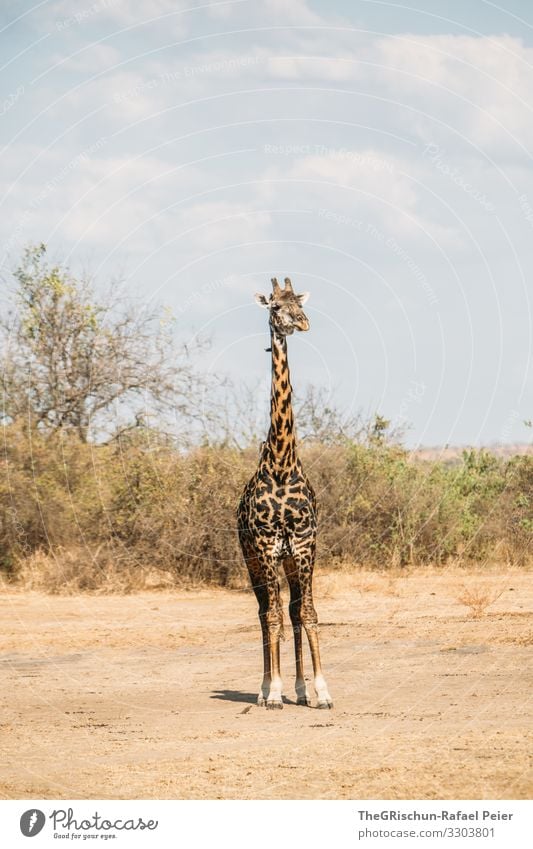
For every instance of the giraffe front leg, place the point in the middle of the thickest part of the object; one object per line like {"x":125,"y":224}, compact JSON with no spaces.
{"x":310,"y":622}
{"x":295,"y":604}
{"x":321,"y":689}
{"x":262,"y":599}
{"x":304,"y":559}
{"x":274,"y":621}
{"x":274,"y":698}
{"x":262,"y":566}
{"x":265,"y":685}
{"x":257,"y":577}
{"x":302,"y":694}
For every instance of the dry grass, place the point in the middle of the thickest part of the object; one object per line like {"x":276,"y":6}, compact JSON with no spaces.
{"x":74,"y":570}
{"x":152,"y":695}
{"x":106,"y":518}
{"x":478,"y":598}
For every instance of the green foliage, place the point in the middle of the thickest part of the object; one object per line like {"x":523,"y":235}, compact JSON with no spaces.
{"x":137,"y":504}
{"x":50,"y":298}
{"x":73,"y":362}
{"x":378,"y":430}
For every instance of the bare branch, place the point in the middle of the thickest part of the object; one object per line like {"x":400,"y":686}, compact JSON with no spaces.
{"x":71,"y":361}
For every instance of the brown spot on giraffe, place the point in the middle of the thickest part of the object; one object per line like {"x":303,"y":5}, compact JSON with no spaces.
{"x":277,"y":518}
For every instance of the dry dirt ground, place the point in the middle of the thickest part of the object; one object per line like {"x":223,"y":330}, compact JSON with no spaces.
{"x":152,"y":695}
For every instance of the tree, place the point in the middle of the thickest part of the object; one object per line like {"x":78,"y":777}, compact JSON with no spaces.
{"x":75,"y":363}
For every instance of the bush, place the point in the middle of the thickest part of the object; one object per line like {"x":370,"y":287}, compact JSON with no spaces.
{"x":76,"y":516}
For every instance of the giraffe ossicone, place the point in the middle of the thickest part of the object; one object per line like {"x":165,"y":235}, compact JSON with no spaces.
{"x":277,"y":518}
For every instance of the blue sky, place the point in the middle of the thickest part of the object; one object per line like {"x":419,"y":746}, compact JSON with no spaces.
{"x":380,"y":154}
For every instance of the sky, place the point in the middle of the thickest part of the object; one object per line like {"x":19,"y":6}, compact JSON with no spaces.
{"x":378,"y":153}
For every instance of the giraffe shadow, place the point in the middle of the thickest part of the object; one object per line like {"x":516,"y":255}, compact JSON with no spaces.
{"x":240,"y":696}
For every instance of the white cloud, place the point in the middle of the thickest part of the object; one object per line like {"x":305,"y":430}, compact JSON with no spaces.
{"x":480,"y":85}
{"x":296,"y":12}
{"x":207,"y":226}
{"x":98,"y":58}
{"x":365,"y":185}
{"x":359,"y":202}
{"x":316,"y":68}
{"x":124,"y":13}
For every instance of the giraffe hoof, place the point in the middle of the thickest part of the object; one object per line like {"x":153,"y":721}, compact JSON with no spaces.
{"x":274,"y":705}
{"x":261,"y":701}
{"x":303,"y":700}
{"x":325,"y":705}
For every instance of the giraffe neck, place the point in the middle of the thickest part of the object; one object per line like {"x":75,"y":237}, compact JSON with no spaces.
{"x":281,"y":439}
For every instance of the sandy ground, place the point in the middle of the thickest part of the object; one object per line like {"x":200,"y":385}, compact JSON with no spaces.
{"x":152,"y":695}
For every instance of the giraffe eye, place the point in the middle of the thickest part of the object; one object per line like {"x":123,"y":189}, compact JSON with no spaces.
{"x":275,"y":307}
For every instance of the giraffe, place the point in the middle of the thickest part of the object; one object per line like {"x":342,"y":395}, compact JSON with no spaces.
{"x":277,"y":518}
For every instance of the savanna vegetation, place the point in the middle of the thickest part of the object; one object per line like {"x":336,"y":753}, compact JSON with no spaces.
{"x":99,"y":493}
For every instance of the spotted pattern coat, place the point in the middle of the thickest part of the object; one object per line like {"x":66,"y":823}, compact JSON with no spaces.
{"x":277,"y":519}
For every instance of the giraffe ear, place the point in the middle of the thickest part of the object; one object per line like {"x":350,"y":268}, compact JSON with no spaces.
{"x":261,"y":300}
{"x":303,"y":298}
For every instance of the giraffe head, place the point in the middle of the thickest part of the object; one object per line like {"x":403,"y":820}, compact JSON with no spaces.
{"x":285,"y":308}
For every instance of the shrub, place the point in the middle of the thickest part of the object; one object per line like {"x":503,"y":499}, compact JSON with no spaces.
{"x":113,"y":516}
